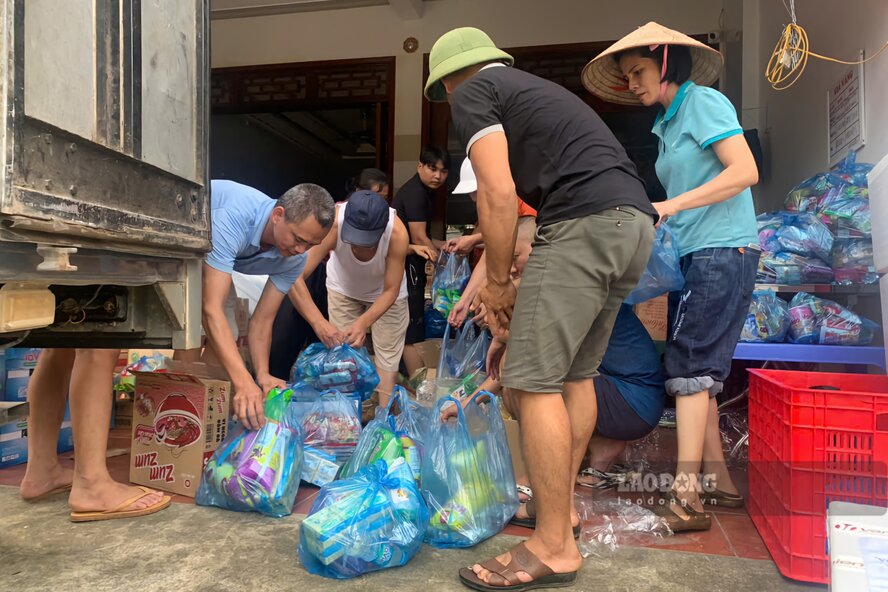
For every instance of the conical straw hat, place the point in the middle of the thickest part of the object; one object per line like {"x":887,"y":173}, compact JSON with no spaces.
{"x":603,"y":78}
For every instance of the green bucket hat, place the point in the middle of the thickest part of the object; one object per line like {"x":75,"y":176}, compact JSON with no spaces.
{"x":458,"y":49}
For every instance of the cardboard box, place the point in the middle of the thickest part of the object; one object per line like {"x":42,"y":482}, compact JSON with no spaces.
{"x":14,"y":442}
{"x":847,"y":524}
{"x":430,"y":351}
{"x":14,"y":439}
{"x":513,"y":434}
{"x":653,"y":315}
{"x":123,"y":412}
{"x":179,"y":419}
{"x":20,"y":365}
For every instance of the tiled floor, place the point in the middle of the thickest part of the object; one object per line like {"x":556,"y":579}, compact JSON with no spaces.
{"x":732,"y":533}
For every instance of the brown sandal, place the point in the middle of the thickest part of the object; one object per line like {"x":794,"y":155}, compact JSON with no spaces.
{"x":695,"y":520}
{"x":522,"y":560}
{"x":531,"y":521}
{"x":719,"y":498}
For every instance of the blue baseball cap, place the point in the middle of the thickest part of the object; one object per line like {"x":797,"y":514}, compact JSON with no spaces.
{"x":365,"y":219}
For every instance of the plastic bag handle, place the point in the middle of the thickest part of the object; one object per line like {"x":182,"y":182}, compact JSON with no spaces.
{"x":459,"y":408}
{"x":444,"y":341}
{"x":490,"y":395}
{"x":399,"y":393}
{"x":331,"y":393}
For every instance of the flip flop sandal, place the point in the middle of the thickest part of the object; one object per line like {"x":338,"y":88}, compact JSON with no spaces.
{"x":525,"y":490}
{"x":506,"y":576}
{"x":119,"y":511}
{"x":695,"y":520}
{"x":531,"y":521}
{"x":48,"y":494}
{"x":605,"y":480}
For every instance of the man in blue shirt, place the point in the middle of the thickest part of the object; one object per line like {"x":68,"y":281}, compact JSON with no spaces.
{"x":256,"y":235}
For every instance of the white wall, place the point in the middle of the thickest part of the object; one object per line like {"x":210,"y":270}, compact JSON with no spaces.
{"x":378,"y":31}
{"x":794,"y":120}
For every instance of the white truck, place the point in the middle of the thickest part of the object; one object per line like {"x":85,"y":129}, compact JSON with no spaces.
{"x":104,"y":200}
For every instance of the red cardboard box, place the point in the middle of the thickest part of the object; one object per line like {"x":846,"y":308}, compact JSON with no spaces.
{"x":179,"y":419}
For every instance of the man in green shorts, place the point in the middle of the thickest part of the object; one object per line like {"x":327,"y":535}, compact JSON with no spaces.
{"x":530,"y":137}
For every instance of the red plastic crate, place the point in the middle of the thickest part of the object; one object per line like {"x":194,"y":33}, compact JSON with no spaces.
{"x":814,"y":438}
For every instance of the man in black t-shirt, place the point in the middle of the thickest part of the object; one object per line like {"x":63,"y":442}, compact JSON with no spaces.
{"x":530,"y":137}
{"x":414,"y":205}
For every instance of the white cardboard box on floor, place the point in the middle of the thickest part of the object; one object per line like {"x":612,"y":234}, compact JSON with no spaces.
{"x":847,"y":524}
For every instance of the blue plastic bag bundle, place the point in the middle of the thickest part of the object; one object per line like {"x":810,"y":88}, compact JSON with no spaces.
{"x":804,"y":234}
{"x":768,"y":319}
{"x":793,"y":270}
{"x":305,"y":396}
{"x":257,"y":470}
{"x":768,"y":223}
{"x":332,"y":425}
{"x":343,"y":368}
{"x":435,"y":323}
{"x":452,"y":274}
{"x":816,"y":320}
{"x":663,"y":271}
{"x":461,"y":364}
{"x":852,"y":262}
{"x":389,"y":436}
{"x":467,"y":476}
{"x":848,"y":216}
{"x":372,"y":521}
{"x":848,"y":175}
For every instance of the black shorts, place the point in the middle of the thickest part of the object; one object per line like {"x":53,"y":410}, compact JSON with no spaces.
{"x":416,"y":285}
{"x":616,"y":419}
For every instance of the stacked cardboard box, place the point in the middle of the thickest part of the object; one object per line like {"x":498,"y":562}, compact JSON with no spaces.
{"x":15,"y":375}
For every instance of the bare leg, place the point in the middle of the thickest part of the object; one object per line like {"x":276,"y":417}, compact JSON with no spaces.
{"x":47,"y":394}
{"x":187,"y":355}
{"x":582,"y":414}
{"x":691,"y":417}
{"x":547,"y":446}
{"x":387,"y":380}
{"x":412,"y":359}
{"x":93,"y":488}
{"x":713,"y":453}
{"x":603,"y":452}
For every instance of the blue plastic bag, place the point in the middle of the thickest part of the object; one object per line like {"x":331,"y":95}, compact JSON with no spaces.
{"x":791,"y":269}
{"x":849,"y":175}
{"x":461,"y":364}
{"x":767,"y":320}
{"x":452,"y":274}
{"x":816,"y":320}
{"x":467,"y":475}
{"x":853,"y":263}
{"x":804,"y":234}
{"x":343,"y":368}
{"x":332,"y":425}
{"x":389,"y":437}
{"x":257,"y":470}
{"x":372,"y":521}
{"x":319,"y":467}
{"x":435,"y":323}
{"x":663,"y":271}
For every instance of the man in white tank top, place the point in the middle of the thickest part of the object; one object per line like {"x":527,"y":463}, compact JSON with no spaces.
{"x":366,"y":285}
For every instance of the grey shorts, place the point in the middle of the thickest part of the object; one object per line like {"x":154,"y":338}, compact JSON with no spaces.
{"x":576,"y":278}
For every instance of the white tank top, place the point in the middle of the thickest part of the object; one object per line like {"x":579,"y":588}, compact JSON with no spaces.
{"x":361,"y":280}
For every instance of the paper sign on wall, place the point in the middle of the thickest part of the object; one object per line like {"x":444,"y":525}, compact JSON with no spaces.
{"x":846,"y":114}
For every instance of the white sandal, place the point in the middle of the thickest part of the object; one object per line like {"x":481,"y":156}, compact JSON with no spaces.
{"x":524,"y":490}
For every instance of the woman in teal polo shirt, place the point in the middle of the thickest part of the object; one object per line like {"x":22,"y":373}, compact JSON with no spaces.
{"x":707,"y":169}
